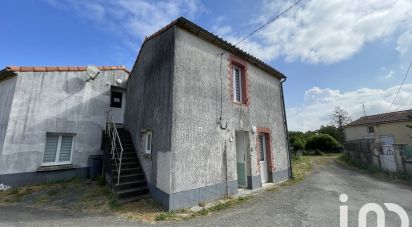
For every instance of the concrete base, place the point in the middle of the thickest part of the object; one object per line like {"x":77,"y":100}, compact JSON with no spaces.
{"x":281,"y":175}
{"x":254,"y":182}
{"x":193,"y":197}
{"x":21,"y":179}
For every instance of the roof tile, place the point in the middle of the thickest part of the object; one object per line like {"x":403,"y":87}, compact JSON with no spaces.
{"x":60,"y":68}
{"x":399,"y":116}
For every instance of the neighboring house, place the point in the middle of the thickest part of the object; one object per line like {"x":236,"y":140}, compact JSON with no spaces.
{"x":388,"y":136}
{"x":206,"y":117}
{"x":51,"y":120}
{"x":202,"y":119}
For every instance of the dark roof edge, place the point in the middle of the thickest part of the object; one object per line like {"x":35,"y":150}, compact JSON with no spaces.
{"x":208,"y":36}
{"x":5,"y":74}
{"x":375,"y":123}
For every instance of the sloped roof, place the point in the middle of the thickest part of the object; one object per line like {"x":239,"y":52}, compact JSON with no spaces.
{"x":59,"y":68}
{"x":399,"y":116}
{"x":208,"y":36}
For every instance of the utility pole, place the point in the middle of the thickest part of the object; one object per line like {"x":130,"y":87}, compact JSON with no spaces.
{"x":364,"y":111}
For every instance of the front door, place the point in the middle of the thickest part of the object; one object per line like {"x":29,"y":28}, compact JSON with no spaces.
{"x":117,"y":105}
{"x":263,"y":159}
{"x":242,"y":146}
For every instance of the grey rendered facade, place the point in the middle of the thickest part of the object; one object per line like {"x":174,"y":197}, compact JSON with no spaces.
{"x":36,"y":101}
{"x":180,"y":90}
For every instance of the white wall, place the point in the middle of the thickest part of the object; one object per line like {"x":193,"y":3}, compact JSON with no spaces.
{"x":60,"y":102}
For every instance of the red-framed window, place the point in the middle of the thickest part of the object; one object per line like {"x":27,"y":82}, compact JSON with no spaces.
{"x":238,"y":81}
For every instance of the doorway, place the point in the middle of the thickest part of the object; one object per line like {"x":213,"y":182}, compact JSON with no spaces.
{"x":117,"y":105}
{"x":242,"y":148}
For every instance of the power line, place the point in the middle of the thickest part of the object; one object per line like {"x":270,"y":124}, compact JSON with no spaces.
{"x":399,"y":89}
{"x":270,"y":21}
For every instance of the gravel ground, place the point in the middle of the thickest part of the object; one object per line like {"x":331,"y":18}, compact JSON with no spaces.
{"x":313,"y":202}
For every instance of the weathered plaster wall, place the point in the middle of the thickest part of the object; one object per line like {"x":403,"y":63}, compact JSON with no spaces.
{"x":197,"y":141}
{"x":6,"y":97}
{"x":60,"y":102}
{"x":150,"y":107}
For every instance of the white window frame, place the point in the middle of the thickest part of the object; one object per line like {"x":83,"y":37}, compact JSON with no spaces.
{"x":146,"y":141}
{"x":56,"y":160}
{"x":369,"y":131}
{"x":234,"y":84}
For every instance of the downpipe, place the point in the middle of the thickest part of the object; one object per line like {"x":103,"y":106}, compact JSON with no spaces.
{"x":285,"y":123}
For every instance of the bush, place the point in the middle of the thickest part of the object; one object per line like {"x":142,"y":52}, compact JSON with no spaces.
{"x":298,"y":144}
{"x":322,"y":142}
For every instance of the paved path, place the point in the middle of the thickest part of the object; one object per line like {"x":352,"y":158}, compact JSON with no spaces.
{"x":313,"y":202}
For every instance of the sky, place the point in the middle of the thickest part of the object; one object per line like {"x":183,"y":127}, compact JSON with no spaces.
{"x":346,"y":53}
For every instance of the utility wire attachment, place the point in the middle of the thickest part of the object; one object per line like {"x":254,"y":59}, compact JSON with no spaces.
{"x":270,"y":21}
{"x":399,"y":89}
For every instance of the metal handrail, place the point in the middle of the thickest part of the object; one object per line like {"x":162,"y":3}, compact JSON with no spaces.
{"x":113,"y":134}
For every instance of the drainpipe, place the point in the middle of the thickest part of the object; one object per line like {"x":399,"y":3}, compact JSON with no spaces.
{"x":286,"y":127}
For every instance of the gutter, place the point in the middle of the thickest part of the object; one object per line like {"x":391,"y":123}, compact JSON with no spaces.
{"x":286,"y":128}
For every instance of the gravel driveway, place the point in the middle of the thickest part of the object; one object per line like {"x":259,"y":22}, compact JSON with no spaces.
{"x":313,"y":202}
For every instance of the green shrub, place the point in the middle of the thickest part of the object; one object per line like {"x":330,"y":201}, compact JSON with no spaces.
{"x":322,"y":142}
{"x":298,"y":144}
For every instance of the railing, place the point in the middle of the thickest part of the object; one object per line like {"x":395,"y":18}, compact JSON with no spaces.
{"x":116,"y":150}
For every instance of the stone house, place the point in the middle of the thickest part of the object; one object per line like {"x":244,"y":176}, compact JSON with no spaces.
{"x":387,"y":139}
{"x":205,"y":117}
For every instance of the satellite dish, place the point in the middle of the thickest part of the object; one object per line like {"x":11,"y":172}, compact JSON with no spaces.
{"x":92,"y":71}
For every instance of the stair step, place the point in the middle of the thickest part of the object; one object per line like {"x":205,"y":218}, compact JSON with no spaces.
{"x":132,"y":192}
{"x":134,"y":198}
{"x":127,"y":171}
{"x":128,"y":165}
{"x":131,"y":184}
{"x":128,"y":177}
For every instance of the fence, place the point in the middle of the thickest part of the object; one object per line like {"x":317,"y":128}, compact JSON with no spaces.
{"x":392,"y":158}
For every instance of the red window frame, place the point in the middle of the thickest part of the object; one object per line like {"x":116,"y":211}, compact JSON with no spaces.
{"x":242,"y":65}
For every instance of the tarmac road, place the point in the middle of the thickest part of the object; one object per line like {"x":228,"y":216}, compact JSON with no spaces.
{"x":313,"y":202}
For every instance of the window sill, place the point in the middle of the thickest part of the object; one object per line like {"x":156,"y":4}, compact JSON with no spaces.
{"x":240,"y":104}
{"x":55,"y":168}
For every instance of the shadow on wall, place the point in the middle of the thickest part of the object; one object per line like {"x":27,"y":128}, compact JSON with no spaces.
{"x":86,"y":119}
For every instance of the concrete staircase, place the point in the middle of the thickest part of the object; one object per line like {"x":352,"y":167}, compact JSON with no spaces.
{"x":132,"y":185}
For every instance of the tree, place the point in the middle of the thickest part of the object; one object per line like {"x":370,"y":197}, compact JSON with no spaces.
{"x":322,"y":142}
{"x":297,"y":140}
{"x":339,"y":119}
{"x":332,"y":131}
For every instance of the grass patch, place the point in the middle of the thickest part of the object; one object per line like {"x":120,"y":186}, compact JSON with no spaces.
{"x":186,"y":214}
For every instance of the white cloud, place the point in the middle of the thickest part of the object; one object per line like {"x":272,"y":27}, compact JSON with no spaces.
{"x":320,"y":102}
{"x":389,"y":75}
{"x":324,"y":31}
{"x":135,"y":18}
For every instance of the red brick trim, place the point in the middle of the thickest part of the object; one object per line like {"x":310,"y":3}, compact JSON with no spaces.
{"x":242,"y":64}
{"x":269,"y":154}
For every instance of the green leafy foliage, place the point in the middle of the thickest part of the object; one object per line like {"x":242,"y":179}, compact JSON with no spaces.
{"x":322,"y":142}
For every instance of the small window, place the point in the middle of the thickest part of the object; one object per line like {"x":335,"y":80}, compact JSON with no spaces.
{"x":371,"y":129}
{"x":148,"y":142}
{"x":58,"y":150}
{"x":116,"y":99}
{"x":237,"y":84}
